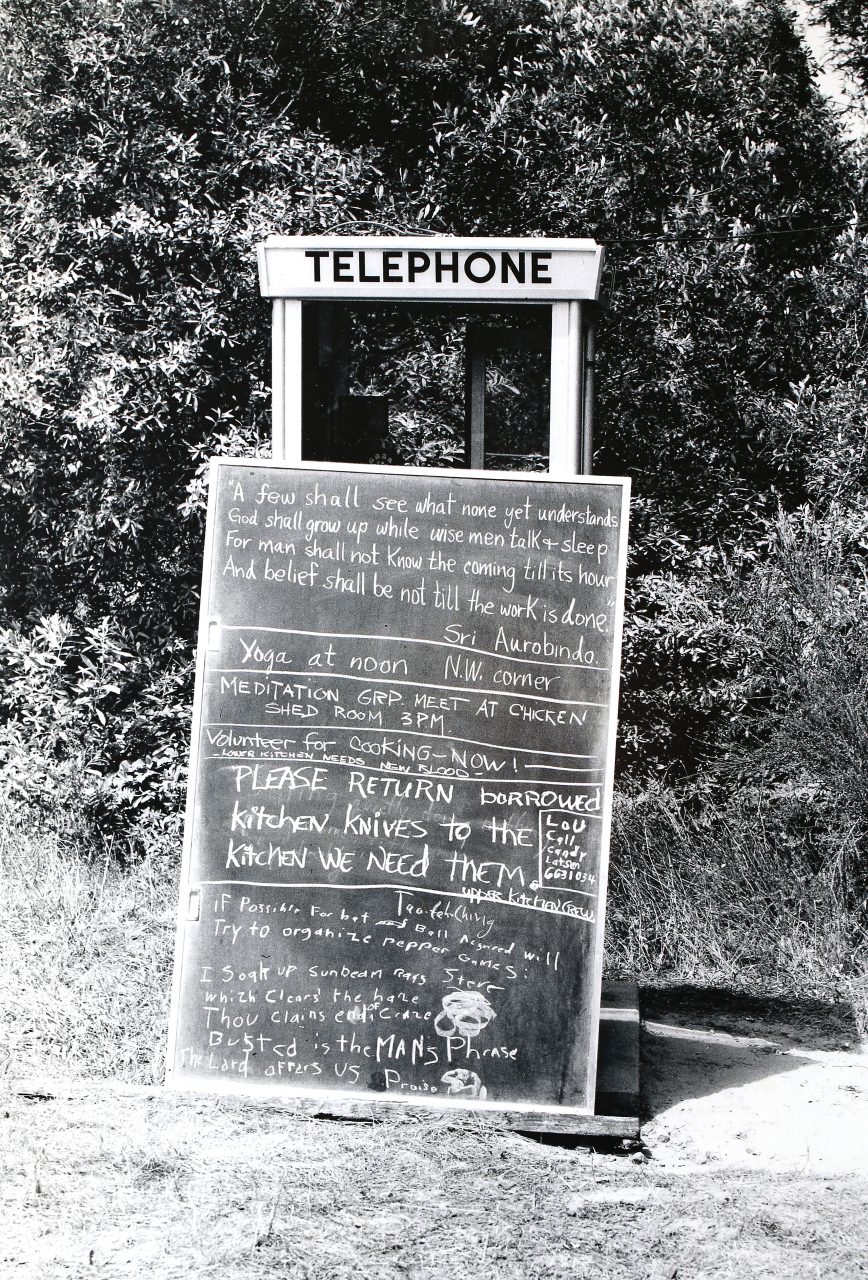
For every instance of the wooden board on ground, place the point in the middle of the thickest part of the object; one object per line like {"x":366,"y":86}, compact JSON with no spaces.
{"x":400,"y":788}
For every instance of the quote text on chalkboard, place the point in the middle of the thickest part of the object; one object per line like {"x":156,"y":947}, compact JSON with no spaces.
{"x":395,"y":860}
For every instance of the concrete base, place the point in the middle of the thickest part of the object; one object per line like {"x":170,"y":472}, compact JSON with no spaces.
{"x":618,"y":1052}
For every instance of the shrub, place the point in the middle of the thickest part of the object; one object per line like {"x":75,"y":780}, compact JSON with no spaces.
{"x":94,"y":742}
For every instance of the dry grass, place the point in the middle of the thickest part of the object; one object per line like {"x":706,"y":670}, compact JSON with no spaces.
{"x":712,"y":897}
{"x":85,"y":960}
{"x":125,"y":1184}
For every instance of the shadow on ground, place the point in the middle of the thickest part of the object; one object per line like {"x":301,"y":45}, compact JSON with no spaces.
{"x":699,"y":1041}
{"x":797,"y":1021}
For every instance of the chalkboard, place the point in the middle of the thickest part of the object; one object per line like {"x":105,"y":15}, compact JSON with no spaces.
{"x":400,"y":786}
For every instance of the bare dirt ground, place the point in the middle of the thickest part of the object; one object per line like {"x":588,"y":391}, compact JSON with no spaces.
{"x":754,"y":1084}
{"x":755,"y":1165}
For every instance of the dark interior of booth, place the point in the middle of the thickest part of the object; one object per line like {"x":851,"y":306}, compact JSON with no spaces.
{"x":426,"y":384}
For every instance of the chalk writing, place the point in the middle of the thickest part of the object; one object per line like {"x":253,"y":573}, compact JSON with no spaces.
{"x":400,"y":782}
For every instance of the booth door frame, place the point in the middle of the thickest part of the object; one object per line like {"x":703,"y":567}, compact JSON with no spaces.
{"x":480,"y":341}
{"x":571,"y":386}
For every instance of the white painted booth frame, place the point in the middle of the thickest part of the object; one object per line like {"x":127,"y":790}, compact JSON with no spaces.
{"x":562,"y":273}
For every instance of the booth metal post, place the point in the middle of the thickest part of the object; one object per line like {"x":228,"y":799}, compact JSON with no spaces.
{"x":286,"y":380}
{"x":475,"y":358}
{"x":590,"y":366}
{"x":567,"y":452}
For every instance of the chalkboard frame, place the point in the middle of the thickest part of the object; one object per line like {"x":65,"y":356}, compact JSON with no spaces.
{"x":522,"y":1115}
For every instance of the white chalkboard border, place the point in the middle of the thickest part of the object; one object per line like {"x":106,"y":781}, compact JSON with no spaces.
{"x":525,"y":1116}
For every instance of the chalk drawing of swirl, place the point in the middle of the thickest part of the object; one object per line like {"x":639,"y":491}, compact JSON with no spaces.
{"x":464,"y":1015}
{"x":464,"y":1084}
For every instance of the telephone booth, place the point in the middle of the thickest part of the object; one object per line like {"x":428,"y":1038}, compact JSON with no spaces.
{"x":517,"y":313}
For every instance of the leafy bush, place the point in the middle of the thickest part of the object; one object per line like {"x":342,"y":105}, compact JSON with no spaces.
{"x":805,"y":723}
{"x":143,"y":163}
{"x":95,"y":741}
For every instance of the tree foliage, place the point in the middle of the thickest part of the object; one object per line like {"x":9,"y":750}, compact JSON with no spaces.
{"x":848,"y":26}
{"x":148,"y":145}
